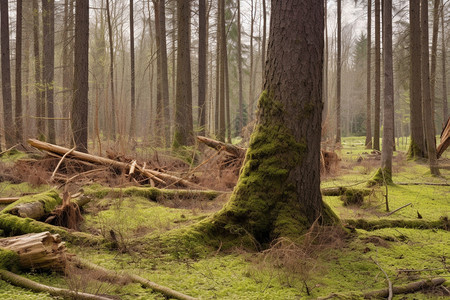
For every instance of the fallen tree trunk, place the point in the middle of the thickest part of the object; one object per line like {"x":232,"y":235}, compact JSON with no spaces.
{"x":54,"y":291}
{"x":13,"y":225}
{"x":168,"y":292}
{"x":370,"y":225}
{"x":151,"y":174}
{"x":34,"y":206}
{"x":37,"y":250}
{"x":422,"y":183}
{"x":229,"y":148}
{"x":405,"y":289}
{"x":339,"y":191}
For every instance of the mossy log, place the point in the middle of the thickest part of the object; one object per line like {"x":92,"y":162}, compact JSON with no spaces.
{"x":151,"y":193}
{"x":168,"y":292}
{"x":37,"y":250}
{"x":383,"y":293}
{"x":34,"y":206}
{"x":339,"y":191}
{"x":54,"y":291}
{"x":405,"y":289}
{"x":13,"y":225}
{"x":370,"y":225}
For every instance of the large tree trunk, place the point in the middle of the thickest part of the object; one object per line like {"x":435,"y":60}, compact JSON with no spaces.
{"x":388,"y":120}
{"x":433,"y":60}
{"x":285,"y":146}
{"x":18,"y":109}
{"x":8,"y":125}
{"x":40,"y":104}
{"x":426,"y":96}
{"x":369,"y":77}
{"x":81,"y":75}
{"x":48,"y":74}
{"x":417,"y":145}
{"x":376,"y":127}
{"x":184,"y":128}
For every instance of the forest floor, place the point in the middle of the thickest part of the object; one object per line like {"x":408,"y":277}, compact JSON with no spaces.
{"x":328,"y":262}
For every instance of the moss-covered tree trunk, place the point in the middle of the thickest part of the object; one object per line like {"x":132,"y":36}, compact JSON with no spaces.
{"x":278,"y":193}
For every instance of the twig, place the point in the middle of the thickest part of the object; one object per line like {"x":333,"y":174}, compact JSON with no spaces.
{"x":422,"y":183}
{"x":9,"y":149}
{"x":8,"y":200}
{"x":60,"y":162}
{"x":396,"y":210}
{"x":387,"y":278}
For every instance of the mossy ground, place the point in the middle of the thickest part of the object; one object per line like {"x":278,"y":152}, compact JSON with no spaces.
{"x":240,"y":274}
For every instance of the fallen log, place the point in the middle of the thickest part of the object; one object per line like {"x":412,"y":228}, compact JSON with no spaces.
{"x":13,"y":225}
{"x":168,"y":292}
{"x":34,"y":206}
{"x":339,"y":191}
{"x":422,"y":183}
{"x":370,"y":225}
{"x":229,"y":148}
{"x":8,"y":200}
{"x":20,"y":281}
{"x":405,"y":289}
{"x":37,"y":250}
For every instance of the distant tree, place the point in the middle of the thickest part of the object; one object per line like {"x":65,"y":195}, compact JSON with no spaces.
{"x":376,"y":127}
{"x":417,"y":144}
{"x":18,"y":103}
{"x":339,"y":72}
{"x":8,"y":124}
{"x":251,"y":100}
{"x":434,"y":45}
{"x":48,"y":72}
{"x":80,"y":101}
{"x":40,"y":101}
{"x":113,"y":116}
{"x":426,"y":96}
{"x":202,"y":71}
{"x":369,"y":77}
{"x":132,"y":74}
{"x":164,"y":72}
{"x":388,"y":115}
{"x":239,"y":61}
{"x":221,"y":67}
{"x":444,"y":70}
{"x":184,"y":131}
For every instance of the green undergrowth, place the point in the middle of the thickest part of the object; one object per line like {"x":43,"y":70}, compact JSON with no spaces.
{"x":8,"y":189}
{"x":12,"y":156}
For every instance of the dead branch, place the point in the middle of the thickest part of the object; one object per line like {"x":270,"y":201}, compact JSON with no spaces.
{"x":396,"y":210}
{"x":8,"y":200}
{"x":405,"y":289}
{"x":229,"y":148}
{"x":60,"y":162}
{"x":422,"y":183}
{"x":38,"y":287}
{"x":390,"y":293}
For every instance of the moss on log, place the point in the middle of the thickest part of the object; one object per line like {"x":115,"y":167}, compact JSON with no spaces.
{"x":34,"y":206}
{"x":370,"y":225}
{"x":13,"y":225}
{"x":151,"y":193}
{"x":9,"y":260}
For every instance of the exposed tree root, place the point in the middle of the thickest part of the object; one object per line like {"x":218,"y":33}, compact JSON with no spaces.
{"x":370,"y":225}
{"x":54,"y":291}
{"x":168,"y":292}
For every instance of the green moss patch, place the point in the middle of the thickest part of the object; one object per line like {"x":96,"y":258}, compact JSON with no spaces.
{"x":49,"y":200}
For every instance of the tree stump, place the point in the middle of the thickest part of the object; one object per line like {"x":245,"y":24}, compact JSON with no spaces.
{"x":37,"y":250}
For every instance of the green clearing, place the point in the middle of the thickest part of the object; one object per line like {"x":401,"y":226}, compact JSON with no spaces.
{"x":342,"y":264}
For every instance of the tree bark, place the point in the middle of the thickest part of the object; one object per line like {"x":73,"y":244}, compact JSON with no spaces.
{"x":18,"y":107}
{"x":48,"y":72}
{"x":239,"y":61}
{"x":251,"y":101}
{"x":417,"y":145}
{"x":80,"y":101}
{"x":426,"y":96}
{"x":388,"y":120}
{"x":444,"y":69}
{"x":132,"y":74}
{"x":113,"y":128}
{"x":164,"y":72}
{"x":184,"y":128}
{"x":338,"y":70}
{"x":202,"y":72}
{"x":40,"y":104}
{"x":376,"y":130}
{"x":369,"y":77}
{"x":8,"y":125}
{"x":221,"y":65}
{"x":67,"y":63}
{"x":433,"y":60}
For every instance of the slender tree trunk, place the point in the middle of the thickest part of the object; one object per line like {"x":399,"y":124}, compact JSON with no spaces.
{"x":202,"y":72}
{"x":81,"y":76}
{"x":325,"y":71}
{"x":184,"y":131}
{"x":27,"y":19}
{"x":444,"y":70}
{"x":338,"y":70}
{"x":222,"y":51}
{"x":239,"y":61}
{"x":369,"y":77}
{"x":433,"y":60}
{"x":227,"y":89}
{"x":164,"y":72}
{"x":159,"y":121}
{"x":111,"y":72}
{"x":133,"y":75}
{"x":263,"y":47}
{"x":8,"y":124}
{"x":417,"y":145}
{"x":48,"y":74}
{"x":18,"y":108}
{"x":376,"y":130}
{"x":67,"y":62}
{"x":388,"y":120}
{"x":40,"y":103}
{"x":426,"y":96}
{"x":251,"y":103}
